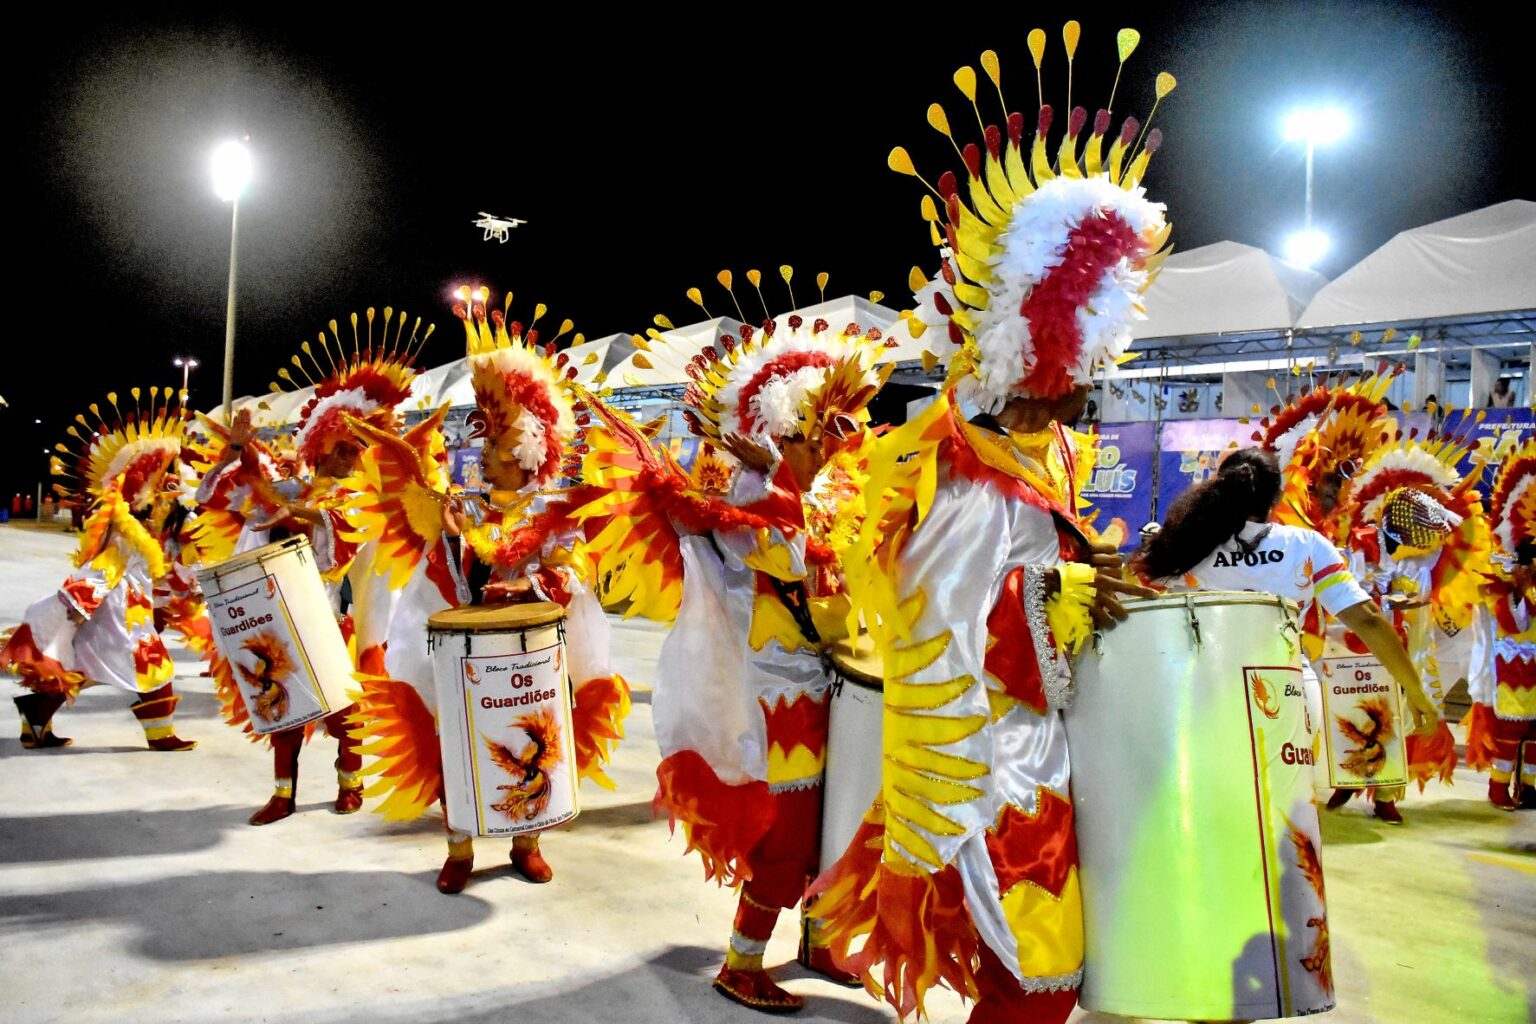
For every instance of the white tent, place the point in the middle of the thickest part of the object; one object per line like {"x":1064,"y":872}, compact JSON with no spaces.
{"x":1225,"y":288}
{"x":1480,"y":262}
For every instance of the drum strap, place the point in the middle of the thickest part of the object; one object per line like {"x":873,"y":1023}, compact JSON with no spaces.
{"x":797,"y":600}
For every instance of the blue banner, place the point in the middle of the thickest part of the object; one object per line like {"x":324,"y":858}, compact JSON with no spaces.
{"x":466,"y":469}
{"x":1121,"y":486}
{"x":1491,"y":430}
{"x":1190,"y":452}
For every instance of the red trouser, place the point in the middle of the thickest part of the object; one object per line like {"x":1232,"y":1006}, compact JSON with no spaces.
{"x":1508,"y":734}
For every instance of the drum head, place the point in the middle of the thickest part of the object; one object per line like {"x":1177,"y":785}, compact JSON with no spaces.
{"x":496,"y":618}
{"x":262,"y":554}
{"x":857,"y":661}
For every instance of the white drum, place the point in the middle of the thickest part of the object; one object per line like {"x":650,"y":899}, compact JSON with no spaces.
{"x":504,"y":718}
{"x":1364,"y":728}
{"x":1196,"y":827}
{"x":854,"y":754}
{"x":273,"y":622}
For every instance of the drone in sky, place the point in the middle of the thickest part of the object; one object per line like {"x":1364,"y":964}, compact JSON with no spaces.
{"x":496,"y":227}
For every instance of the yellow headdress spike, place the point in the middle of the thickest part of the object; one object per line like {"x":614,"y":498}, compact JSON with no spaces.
{"x":1125,"y":41}
{"x":899,"y":161}
{"x":756,"y":277}
{"x":821,"y":284}
{"x":1070,"y":33}
{"x":697,"y":298}
{"x":916,"y":280}
{"x":539,"y":309}
{"x":1165,"y":85}
{"x":787,"y":272}
{"x":663,"y":321}
{"x":940,"y":122}
{"x":1037,"y":51}
{"x":724,"y":277}
{"x":994,"y":71}
{"x":876,"y":296}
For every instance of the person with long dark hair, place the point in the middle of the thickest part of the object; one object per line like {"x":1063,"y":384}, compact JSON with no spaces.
{"x":1217,"y":536}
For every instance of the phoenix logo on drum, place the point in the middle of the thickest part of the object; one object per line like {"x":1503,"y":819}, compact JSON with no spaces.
{"x":1263,"y":699}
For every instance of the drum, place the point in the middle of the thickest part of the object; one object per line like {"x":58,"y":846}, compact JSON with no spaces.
{"x":1364,"y":728}
{"x":854,"y":734}
{"x":1196,"y":828}
{"x":504,"y":717}
{"x":273,"y":622}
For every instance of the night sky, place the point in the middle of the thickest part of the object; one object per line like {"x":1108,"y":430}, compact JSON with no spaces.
{"x":649,"y":158}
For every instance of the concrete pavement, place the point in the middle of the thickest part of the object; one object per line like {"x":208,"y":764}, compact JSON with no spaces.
{"x":131,"y":889}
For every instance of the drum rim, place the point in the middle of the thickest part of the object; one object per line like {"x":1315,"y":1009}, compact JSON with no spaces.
{"x":842,"y":649}
{"x":257,"y":556}
{"x":558,"y":616}
{"x":1209,"y":597}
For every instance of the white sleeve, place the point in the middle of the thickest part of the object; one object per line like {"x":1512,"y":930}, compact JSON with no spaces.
{"x":1333,"y":584}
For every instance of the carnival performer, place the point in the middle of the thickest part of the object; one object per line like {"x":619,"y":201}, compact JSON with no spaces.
{"x":1220,"y":535}
{"x":366,"y":381}
{"x":1321,"y":441}
{"x":1423,"y":544}
{"x":979,"y":577}
{"x":533,"y":549}
{"x":99,"y":626}
{"x":753,"y":583}
{"x":1501,"y":729}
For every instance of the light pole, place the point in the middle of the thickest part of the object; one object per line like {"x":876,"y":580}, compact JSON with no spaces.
{"x":187,"y":365}
{"x":231,"y":173}
{"x":1315,"y":127}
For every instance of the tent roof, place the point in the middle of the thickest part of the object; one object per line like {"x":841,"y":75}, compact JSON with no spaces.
{"x":1225,"y":288}
{"x":1479,"y":262}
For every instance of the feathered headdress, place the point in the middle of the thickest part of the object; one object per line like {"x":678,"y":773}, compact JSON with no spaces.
{"x":1048,"y":262}
{"x":782,"y":383}
{"x":1414,"y":492}
{"x":367,"y":382}
{"x":1329,"y":430}
{"x":1512,"y":506}
{"x":126,"y":450}
{"x":521,"y":388}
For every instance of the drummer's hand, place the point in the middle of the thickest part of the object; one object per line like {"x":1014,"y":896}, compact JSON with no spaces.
{"x":748,"y":452}
{"x":453,"y":519}
{"x":509,"y":590}
{"x":240,"y":430}
{"x":1426,"y":717}
{"x":1109,"y":586}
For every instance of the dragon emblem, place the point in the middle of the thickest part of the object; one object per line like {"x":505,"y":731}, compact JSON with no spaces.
{"x":527,"y":796}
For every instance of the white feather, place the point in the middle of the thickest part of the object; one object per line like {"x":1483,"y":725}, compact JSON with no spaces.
{"x":1032,"y":245}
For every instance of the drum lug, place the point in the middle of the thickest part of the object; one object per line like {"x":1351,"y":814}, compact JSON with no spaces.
{"x":1194,"y":621}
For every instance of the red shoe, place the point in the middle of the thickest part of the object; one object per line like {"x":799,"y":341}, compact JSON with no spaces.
{"x":756,"y":990}
{"x":1339,"y":799}
{"x":1499,"y":795}
{"x":171,"y":743}
{"x":530,"y":863}
{"x":349,"y":801}
{"x":276,"y":809}
{"x":1387,"y":811}
{"x":819,"y":959}
{"x":455,"y":875}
